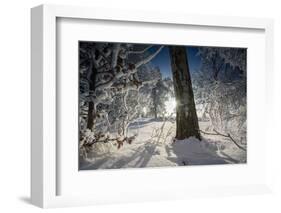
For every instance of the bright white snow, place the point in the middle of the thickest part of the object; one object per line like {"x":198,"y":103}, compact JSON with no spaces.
{"x":150,"y":150}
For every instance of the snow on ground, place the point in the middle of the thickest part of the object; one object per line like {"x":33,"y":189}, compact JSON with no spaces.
{"x":148,"y":150}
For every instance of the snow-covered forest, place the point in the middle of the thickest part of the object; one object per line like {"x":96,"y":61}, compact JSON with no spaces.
{"x":146,"y":105}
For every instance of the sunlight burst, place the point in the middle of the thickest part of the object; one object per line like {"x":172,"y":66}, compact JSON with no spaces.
{"x":170,"y":106}
{"x":144,"y":110}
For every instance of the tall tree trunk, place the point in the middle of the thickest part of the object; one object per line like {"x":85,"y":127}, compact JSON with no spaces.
{"x":186,"y":117}
{"x":91,"y":116}
{"x":154,"y":102}
{"x":91,"y":105}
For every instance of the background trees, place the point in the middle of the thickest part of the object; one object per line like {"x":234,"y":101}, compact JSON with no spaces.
{"x":220,"y":89}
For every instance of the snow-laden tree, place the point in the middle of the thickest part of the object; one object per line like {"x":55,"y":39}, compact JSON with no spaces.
{"x":217,"y":60}
{"x":109,"y":82}
{"x":220,"y":89}
{"x":159,"y":95}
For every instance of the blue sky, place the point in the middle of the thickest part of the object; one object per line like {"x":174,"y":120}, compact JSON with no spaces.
{"x":162,"y":60}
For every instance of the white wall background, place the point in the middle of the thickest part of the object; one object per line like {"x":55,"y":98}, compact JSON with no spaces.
{"x":15,"y":104}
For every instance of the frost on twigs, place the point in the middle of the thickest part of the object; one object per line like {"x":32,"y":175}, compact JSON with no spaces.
{"x":101,"y":143}
{"x":165,"y":133}
{"x":111,"y":77}
{"x":220,"y":91}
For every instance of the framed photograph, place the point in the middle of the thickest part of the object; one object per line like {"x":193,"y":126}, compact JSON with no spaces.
{"x":129,"y":106}
{"x":161,"y":105}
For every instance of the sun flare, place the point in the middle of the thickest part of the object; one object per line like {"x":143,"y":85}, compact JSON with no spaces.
{"x":170,"y":106}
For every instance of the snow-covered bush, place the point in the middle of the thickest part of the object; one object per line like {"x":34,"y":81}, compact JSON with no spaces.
{"x":220,"y":90}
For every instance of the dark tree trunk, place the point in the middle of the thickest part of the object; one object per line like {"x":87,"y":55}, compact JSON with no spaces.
{"x":186,"y":117}
{"x":91,"y":116}
{"x":154,"y":102}
{"x":91,"y":106}
{"x":155,"y":112}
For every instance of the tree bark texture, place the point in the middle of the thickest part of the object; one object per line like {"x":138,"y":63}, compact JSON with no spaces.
{"x":91,"y":106}
{"x":186,"y":116}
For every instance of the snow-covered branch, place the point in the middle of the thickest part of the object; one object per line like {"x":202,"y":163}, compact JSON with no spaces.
{"x":149,"y":58}
{"x":115,"y":52}
{"x":224,"y":135}
{"x":140,"y":51}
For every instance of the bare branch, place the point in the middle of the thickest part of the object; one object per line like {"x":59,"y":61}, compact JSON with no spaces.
{"x":223,"y":135}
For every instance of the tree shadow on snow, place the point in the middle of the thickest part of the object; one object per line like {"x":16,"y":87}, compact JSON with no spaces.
{"x":138,"y":158}
{"x":182,"y":152}
{"x":194,"y":152}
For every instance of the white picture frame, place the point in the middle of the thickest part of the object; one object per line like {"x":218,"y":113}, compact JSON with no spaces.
{"x":44,"y":150}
